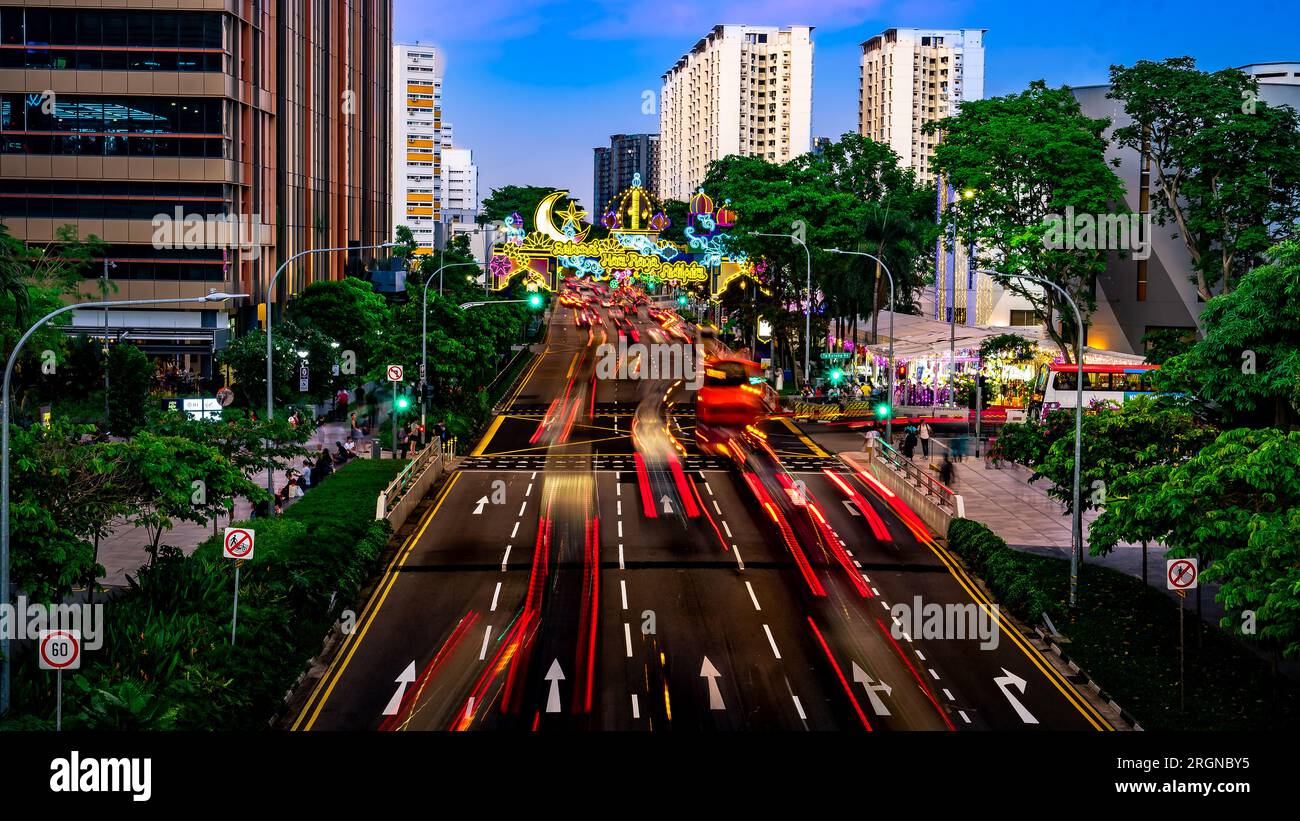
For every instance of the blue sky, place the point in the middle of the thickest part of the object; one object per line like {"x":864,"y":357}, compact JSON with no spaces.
{"x":533,"y":85}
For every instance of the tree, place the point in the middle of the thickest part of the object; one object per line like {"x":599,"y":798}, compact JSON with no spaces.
{"x":519,"y":199}
{"x":128,"y":389}
{"x":406,"y":244}
{"x":1234,"y":505}
{"x":1163,"y":344}
{"x":246,"y":356}
{"x":1248,"y":362}
{"x":1226,"y":164}
{"x":1025,"y":158}
{"x":246,"y":442}
{"x":347,"y":311}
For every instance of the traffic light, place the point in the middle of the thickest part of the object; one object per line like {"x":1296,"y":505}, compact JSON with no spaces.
{"x":836,"y":376}
{"x":882,"y":410}
{"x":403,"y":402}
{"x":682,"y":300}
{"x":535,"y":300}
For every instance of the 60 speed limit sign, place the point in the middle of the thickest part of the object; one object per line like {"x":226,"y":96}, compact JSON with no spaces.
{"x":60,"y":649}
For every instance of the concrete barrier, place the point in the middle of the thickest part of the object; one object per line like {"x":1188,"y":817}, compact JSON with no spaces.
{"x":929,"y":499}
{"x":405,"y":492}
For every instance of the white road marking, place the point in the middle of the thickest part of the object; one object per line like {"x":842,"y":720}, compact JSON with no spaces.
{"x":884,"y":604}
{"x":487,"y":637}
{"x":920,"y":655}
{"x":874,"y":591}
{"x":622,"y":585}
{"x":708,"y":488}
{"x":618,"y":491}
{"x":962,"y":713}
{"x":717,"y":509}
{"x":521,"y":508}
{"x":619,"y":509}
{"x":505,"y":558}
{"x":727,"y":528}
{"x":865,"y":579}
{"x":495,"y":594}
{"x":752,"y":597}
{"x":529,"y":492}
{"x":627,"y":638}
{"x":636,"y":707}
{"x":739,"y":560}
{"x":771,"y":641}
{"x":857,"y":564}
{"x":620,"y":558}
{"x":469,"y":708}
{"x":799,"y":708}
{"x":620,"y":528}
{"x":515,"y":532}
{"x":948,"y":695}
{"x":933,"y":673}
{"x":534,"y":476}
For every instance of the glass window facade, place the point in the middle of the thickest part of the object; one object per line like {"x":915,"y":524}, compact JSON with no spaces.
{"x":72,"y":200}
{"x":144,"y":262}
{"x":112,"y":126}
{"x":111,"y":40}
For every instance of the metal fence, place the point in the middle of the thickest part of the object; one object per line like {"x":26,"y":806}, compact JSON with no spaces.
{"x":922,"y":479}
{"x":431,"y":456}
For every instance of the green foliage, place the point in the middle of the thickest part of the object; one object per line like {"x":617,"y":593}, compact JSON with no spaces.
{"x":246,"y":356}
{"x":131,"y":376}
{"x":1026,"y":158}
{"x":167,"y":662}
{"x":520,"y":199}
{"x":1012,"y":348}
{"x":1163,"y":344}
{"x":346,"y":311}
{"x":1225,"y":164}
{"x":1232,"y":504}
{"x":986,"y":554}
{"x":1024,"y":443}
{"x":1248,"y":361}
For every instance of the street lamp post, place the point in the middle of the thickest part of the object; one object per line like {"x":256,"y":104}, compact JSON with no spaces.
{"x":4,"y":446}
{"x":424,"y":344}
{"x":1076,"y":521}
{"x":889,"y":423}
{"x":807,"y":324}
{"x":270,"y":408}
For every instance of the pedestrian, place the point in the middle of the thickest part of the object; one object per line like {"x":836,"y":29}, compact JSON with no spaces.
{"x":869,"y":441}
{"x":947,"y":472}
{"x":341,"y":404}
{"x":925,"y":439}
{"x":958,"y":448}
{"x":306,"y":473}
{"x":342,"y":456}
{"x":324,"y":466}
{"x":909,"y":443}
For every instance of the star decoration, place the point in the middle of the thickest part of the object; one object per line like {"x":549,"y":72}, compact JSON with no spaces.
{"x":573,"y":214}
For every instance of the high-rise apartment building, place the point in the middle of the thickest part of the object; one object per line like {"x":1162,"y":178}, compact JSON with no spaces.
{"x":614,"y":167}
{"x":911,"y":76}
{"x":269,"y":119}
{"x":741,"y":90}
{"x":460,"y":186}
{"x":418,"y":135}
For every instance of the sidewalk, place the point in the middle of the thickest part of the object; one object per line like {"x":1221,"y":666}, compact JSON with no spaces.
{"x":123,"y":551}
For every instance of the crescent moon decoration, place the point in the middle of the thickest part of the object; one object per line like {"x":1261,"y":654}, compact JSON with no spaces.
{"x":545,"y":223}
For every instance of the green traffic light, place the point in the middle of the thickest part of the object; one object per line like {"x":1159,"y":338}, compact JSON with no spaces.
{"x":837,"y":375}
{"x":681,"y":300}
{"x":882,"y":410}
{"x":403,"y":403}
{"x":534,"y":300}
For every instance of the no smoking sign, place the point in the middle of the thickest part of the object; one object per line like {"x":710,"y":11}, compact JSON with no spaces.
{"x":1181,"y":574}
{"x":238,"y":543}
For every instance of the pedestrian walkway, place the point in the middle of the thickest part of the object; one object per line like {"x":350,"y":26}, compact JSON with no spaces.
{"x":123,"y":551}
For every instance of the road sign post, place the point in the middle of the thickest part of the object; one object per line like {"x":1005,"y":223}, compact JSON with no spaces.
{"x":60,"y":650}
{"x":395,"y":376}
{"x":1182,"y":575}
{"x":237,"y":545}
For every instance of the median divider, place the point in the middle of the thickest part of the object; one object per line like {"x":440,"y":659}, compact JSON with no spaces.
{"x":408,"y":488}
{"x":933,"y":502}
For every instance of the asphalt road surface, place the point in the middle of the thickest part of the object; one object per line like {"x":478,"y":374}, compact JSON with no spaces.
{"x":587,"y":569}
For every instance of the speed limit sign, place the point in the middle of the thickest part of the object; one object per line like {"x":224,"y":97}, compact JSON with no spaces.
{"x":60,"y":649}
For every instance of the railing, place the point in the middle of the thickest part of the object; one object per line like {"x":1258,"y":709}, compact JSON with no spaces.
{"x":392,"y":495}
{"x":943,"y":496}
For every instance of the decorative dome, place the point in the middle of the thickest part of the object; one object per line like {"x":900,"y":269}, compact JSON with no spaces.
{"x":635,"y":211}
{"x":701,"y":203}
{"x":726,"y":215}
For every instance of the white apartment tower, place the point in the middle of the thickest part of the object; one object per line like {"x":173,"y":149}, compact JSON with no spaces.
{"x":460,"y":178}
{"x":741,"y":90}
{"x":912,"y":76}
{"x":418,"y":199}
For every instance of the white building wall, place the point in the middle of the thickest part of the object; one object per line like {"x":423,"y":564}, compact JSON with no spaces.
{"x":417,"y":141}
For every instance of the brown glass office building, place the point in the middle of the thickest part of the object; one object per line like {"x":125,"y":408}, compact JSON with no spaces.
{"x":270,"y":114}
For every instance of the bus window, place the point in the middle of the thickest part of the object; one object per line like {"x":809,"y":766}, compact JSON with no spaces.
{"x":1064,"y":381}
{"x":1096,"y":382}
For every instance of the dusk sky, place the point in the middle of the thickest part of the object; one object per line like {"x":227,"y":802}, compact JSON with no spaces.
{"x":533,"y":85}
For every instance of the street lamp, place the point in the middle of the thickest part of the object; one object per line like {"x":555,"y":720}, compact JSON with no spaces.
{"x":889,"y":423}
{"x":807,"y":325}
{"x":4,"y":446}
{"x":270,"y":408}
{"x":424,"y":341}
{"x":1076,"y":521}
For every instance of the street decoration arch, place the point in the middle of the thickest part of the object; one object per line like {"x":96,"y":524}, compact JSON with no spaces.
{"x":559,"y":245}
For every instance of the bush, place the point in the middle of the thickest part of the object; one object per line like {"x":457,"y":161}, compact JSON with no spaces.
{"x":1000,"y":567}
{"x":130,"y":377}
{"x":167,"y":661}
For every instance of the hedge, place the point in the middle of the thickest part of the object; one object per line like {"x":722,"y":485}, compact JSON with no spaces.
{"x":1000,"y":567}
{"x":167,"y":661}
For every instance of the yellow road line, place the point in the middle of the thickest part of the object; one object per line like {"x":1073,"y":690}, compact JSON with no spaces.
{"x":487,"y":437}
{"x":810,"y":444}
{"x":333,"y":674}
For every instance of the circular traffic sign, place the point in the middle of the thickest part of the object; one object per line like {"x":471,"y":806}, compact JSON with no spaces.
{"x":395,"y":373}
{"x":239,"y":543}
{"x":225,"y":396}
{"x":1181,"y":574}
{"x":60,"y":650}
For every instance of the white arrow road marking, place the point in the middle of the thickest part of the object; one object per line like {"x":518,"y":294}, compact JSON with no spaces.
{"x":861,"y":676}
{"x":852,"y":508}
{"x":478,"y":511}
{"x":555,"y":675}
{"x":395,"y":703}
{"x":668,"y":504}
{"x":1012,"y":680}
{"x":708,"y":671}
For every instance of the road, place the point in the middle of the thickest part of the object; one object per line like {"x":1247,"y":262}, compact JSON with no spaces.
{"x":586,"y":569}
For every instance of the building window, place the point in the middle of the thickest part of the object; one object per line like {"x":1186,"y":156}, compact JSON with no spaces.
{"x":1025,"y":319}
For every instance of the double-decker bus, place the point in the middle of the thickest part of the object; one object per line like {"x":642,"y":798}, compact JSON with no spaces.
{"x":1055,"y":385}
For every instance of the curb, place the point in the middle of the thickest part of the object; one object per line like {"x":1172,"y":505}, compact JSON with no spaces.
{"x":1055,"y":647}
